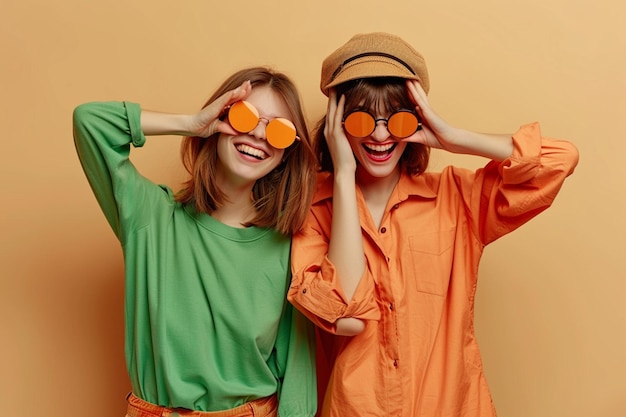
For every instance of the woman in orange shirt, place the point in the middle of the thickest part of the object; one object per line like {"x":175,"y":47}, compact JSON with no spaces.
{"x":387,"y":263}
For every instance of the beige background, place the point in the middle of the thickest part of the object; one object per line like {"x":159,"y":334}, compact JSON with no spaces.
{"x":550,"y":314}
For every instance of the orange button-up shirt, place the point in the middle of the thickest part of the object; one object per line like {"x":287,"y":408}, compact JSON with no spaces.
{"x":418,"y":354}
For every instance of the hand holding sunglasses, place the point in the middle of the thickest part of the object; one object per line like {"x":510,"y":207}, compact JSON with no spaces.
{"x":244,"y":118}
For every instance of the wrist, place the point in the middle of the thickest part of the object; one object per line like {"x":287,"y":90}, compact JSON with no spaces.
{"x":156,"y":123}
{"x":344,"y":176}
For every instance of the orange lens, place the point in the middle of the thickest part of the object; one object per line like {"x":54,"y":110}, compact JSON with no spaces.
{"x":359,"y":124}
{"x":280,"y":133}
{"x":402,"y":124}
{"x":243,"y":116}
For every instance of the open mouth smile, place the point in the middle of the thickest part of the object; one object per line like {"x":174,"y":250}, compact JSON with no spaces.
{"x":379,"y":152}
{"x":250,"y":151}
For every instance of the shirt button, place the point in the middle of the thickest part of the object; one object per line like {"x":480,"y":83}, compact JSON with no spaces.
{"x":395,"y":206}
{"x":304,"y":291}
{"x":383,"y":229}
{"x":395,"y":363}
{"x":391,"y":306}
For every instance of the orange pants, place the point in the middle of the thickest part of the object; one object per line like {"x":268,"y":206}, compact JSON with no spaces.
{"x":264,"y":407}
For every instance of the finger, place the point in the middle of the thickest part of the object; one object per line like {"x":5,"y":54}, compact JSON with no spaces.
{"x":332,"y":102}
{"x":330,"y":111}
{"x":242,"y":91}
{"x":338,"y":116}
{"x":422,"y":106}
{"x":216,"y":109}
{"x":417,"y":93}
{"x":226,"y":128}
{"x":418,"y":137}
{"x":213,"y":128}
{"x":232,"y":96}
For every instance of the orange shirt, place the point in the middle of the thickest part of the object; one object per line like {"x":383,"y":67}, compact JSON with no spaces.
{"x":418,"y":354}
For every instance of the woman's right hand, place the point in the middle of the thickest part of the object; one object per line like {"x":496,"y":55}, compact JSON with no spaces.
{"x":207,"y":121}
{"x":338,"y":144}
{"x":203,"y":124}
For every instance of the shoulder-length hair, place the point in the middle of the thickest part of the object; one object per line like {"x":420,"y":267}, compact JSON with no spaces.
{"x":384,"y":94}
{"x":283,"y":196}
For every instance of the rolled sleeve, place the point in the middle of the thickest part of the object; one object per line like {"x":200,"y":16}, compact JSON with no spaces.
{"x":326,"y":300}
{"x":315,"y":289}
{"x":507,"y":194}
{"x":535,"y":156}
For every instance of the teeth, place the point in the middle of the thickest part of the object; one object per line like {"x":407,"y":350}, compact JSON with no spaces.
{"x":248,"y":150}
{"x":378,"y":148}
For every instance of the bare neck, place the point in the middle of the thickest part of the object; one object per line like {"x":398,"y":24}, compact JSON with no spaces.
{"x":238,"y":209}
{"x":376,"y":192}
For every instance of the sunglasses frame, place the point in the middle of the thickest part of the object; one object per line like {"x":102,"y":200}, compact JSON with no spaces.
{"x":268,"y":128}
{"x":417,"y":117}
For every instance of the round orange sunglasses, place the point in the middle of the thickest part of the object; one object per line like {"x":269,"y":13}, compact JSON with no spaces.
{"x":279,"y":132}
{"x":401,"y":123}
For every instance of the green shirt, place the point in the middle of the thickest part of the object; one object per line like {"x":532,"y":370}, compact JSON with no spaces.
{"x":208,"y":326}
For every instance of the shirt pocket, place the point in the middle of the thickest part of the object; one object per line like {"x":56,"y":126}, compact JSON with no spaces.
{"x":431,"y":256}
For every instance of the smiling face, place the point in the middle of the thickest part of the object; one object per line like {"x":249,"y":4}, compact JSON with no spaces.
{"x":379,"y":153}
{"x":247,"y":157}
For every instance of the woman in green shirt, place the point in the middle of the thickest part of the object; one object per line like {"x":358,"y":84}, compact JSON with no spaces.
{"x":208,"y":327}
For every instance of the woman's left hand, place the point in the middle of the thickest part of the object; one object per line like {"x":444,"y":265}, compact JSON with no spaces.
{"x":435,"y":132}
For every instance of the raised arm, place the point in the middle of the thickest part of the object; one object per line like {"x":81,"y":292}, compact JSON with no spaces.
{"x":203,"y":124}
{"x":346,"y":243}
{"x":436,"y":133}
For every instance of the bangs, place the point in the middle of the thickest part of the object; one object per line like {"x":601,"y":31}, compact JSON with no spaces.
{"x":382,"y":95}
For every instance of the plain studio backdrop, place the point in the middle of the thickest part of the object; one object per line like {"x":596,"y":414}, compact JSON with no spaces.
{"x":550,"y":315}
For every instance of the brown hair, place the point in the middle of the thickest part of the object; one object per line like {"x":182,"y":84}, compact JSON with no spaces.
{"x":382,"y":93}
{"x":282,"y":197}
